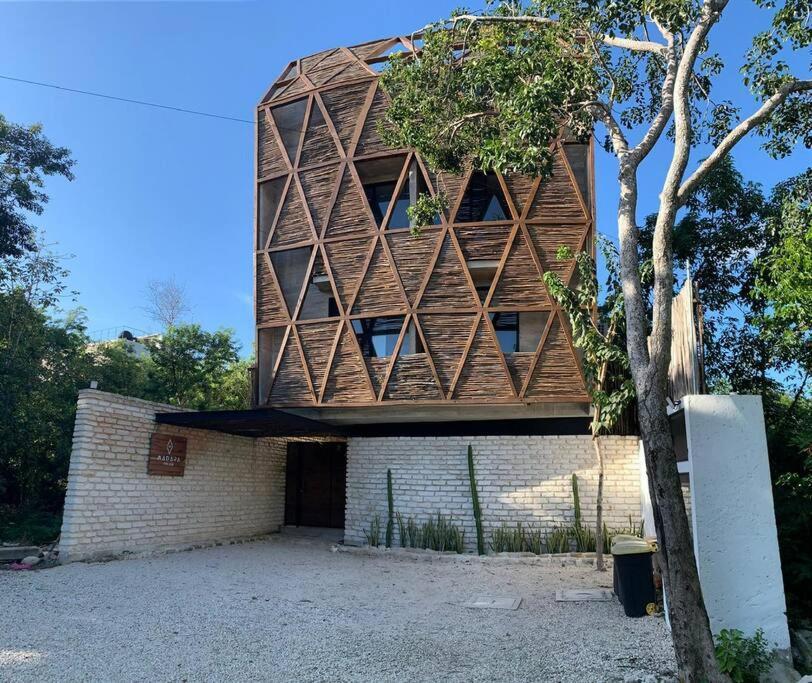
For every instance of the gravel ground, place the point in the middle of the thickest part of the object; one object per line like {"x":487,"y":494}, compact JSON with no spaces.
{"x":289,"y":609}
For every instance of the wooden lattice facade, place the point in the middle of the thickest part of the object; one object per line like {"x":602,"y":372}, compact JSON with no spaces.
{"x":353,"y":310}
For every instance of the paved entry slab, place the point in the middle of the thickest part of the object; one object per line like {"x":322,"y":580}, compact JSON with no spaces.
{"x":583,"y":595}
{"x":489,"y":602}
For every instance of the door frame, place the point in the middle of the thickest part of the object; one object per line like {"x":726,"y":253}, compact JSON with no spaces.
{"x":336,"y":452}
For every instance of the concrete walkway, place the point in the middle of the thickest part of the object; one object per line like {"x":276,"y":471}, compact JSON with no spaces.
{"x":289,"y":609}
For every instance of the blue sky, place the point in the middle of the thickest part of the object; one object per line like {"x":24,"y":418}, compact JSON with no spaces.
{"x":160,"y":194}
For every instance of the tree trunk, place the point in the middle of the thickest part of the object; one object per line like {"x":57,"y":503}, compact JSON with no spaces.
{"x":690,"y":627}
{"x":596,"y":440}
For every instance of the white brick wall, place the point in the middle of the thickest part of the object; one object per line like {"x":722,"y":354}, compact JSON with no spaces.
{"x":520,"y":479}
{"x":233,"y":486}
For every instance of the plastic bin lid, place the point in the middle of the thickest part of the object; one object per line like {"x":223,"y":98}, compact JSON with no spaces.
{"x":624,"y":544}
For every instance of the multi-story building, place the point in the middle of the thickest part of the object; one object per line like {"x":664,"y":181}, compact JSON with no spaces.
{"x":361,"y":324}
{"x":379,"y":355}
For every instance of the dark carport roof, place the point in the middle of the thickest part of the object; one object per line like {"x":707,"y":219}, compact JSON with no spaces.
{"x":259,"y":422}
{"x":256,"y":422}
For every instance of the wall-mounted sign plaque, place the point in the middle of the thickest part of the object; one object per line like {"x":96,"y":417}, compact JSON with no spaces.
{"x":167,"y":455}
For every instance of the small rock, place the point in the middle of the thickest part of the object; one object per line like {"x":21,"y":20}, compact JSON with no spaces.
{"x":780,"y":671}
{"x":802,"y":648}
{"x":31,"y":560}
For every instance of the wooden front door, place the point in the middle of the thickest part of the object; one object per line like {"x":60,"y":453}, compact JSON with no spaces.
{"x":315,"y":484}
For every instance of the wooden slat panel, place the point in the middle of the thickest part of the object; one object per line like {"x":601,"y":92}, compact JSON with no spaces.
{"x":445,"y":337}
{"x":370,"y":50}
{"x":270,"y":308}
{"x":377,"y":368}
{"x":379,"y":291}
{"x":318,"y":186}
{"x":298,"y":86}
{"x":547,"y":239}
{"x":370,"y":141}
{"x":317,"y":339}
{"x":320,"y":76}
{"x":483,"y":375}
{"x":351,"y":71}
{"x":412,"y":379}
{"x":483,"y":241}
{"x":448,"y":183}
{"x":520,"y":282}
{"x":557,"y":197}
{"x":346,"y":259}
{"x":519,"y":364}
{"x":292,"y":226}
{"x":270,"y":160}
{"x":348,"y":216}
{"x":412,"y":257}
{"x":318,"y":145}
{"x":290,"y":384}
{"x":556,"y":373}
{"x":447,"y":286}
{"x":344,"y":107}
{"x":519,"y":186}
{"x":316,"y":60}
{"x":336,"y":57}
{"x":346,"y":383}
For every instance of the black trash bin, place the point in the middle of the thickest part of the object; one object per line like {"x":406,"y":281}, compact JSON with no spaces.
{"x":633,"y":575}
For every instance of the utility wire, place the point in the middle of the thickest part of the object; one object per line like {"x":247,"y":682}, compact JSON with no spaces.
{"x":128,"y":100}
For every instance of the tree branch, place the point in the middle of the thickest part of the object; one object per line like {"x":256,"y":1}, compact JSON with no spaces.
{"x":666,"y":109}
{"x":735,"y":135}
{"x":623,"y":43}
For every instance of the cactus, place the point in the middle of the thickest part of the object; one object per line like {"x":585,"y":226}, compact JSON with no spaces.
{"x":390,"y":523}
{"x":480,"y":540}
{"x":576,"y":500}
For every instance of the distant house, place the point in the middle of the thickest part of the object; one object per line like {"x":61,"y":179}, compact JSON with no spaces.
{"x":133,"y":344}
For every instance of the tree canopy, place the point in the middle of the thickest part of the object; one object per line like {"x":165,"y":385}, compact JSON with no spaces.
{"x":26,"y":157}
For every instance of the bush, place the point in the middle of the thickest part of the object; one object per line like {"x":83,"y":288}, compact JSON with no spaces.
{"x":435,"y":534}
{"x":373,"y":534}
{"x":29,"y":527}
{"x":743,"y":659}
{"x":516,"y":539}
{"x":558,"y":540}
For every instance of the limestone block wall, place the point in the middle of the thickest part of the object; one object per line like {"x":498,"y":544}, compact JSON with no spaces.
{"x":233,"y":487}
{"x":519,"y":479}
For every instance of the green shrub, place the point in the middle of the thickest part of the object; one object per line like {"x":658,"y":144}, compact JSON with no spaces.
{"x":373,"y":534}
{"x":507,"y":539}
{"x":558,"y":540}
{"x":402,"y":533}
{"x":437,"y":533}
{"x":441,"y":534}
{"x":28,"y":527}
{"x":584,"y":538}
{"x":516,"y":539}
{"x":743,"y":659}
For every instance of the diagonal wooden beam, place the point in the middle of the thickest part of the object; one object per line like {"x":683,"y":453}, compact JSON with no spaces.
{"x":284,"y":197}
{"x":419,"y":329}
{"x":545,"y":333}
{"x":495,"y":341}
{"x":395,"y":355}
{"x":303,"y":360}
{"x":464,"y":355}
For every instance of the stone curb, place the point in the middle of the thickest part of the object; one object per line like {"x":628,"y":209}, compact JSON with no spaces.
{"x":420,"y":555}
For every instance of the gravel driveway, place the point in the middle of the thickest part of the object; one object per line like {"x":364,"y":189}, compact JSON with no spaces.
{"x":289,"y":609}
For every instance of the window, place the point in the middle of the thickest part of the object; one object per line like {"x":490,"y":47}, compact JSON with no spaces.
{"x":380,"y":194}
{"x":377,"y":336}
{"x":483,"y":200}
{"x":507,"y":331}
{"x":380,"y":178}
